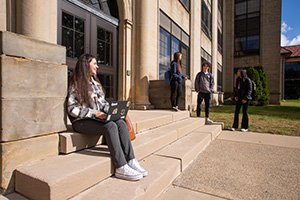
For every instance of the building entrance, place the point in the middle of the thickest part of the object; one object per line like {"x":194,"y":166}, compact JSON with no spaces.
{"x":84,"y":28}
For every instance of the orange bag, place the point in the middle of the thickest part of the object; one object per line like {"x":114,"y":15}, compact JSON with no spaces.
{"x":130,"y":128}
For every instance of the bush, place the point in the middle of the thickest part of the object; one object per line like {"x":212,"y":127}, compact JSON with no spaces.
{"x":262,"y":95}
{"x":265,"y":96}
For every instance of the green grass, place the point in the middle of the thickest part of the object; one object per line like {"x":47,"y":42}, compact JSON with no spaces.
{"x":283,"y":119}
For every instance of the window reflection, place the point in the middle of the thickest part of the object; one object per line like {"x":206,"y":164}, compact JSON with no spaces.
{"x":104,"y":47}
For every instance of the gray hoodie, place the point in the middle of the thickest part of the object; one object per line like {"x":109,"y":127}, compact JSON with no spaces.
{"x":204,"y":82}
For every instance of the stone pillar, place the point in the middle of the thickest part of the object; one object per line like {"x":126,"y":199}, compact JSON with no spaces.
{"x":3,"y":15}
{"x":195,"y":47}
{"x":228,"y":48}
{"x":146,"y":50}
{"x":37,"y":19}
{"x":214,"y":49}
{"x":125,"y":50}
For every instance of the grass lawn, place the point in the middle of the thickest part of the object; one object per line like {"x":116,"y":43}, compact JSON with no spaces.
{"x":283,"y":119}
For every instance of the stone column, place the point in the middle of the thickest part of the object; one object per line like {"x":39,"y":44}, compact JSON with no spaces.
{"x":146,"y":50}
{"x":195,"y":47}
{"x":228,"y":48}
{"x":37,"y":19}
{"x":3,"y":15}
{"x":214,"y":49}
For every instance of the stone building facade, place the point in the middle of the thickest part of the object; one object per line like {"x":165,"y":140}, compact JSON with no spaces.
{"x":133,"y":41}
{"x":253,"y":39}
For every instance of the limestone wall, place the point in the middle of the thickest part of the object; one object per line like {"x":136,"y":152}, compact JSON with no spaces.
{"x":33,"y":92}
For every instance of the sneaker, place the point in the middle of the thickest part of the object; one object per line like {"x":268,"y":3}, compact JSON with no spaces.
{"x":233,"y":129}
{"x":134,"y":164}
{"x":174,"y":108}
{"x":244,"y":130}
{"x":177,"y":109}
{"x":127,"y":173}
{"x":208,"y":121}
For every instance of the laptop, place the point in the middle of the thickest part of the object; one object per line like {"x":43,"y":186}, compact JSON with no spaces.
{"x":117,"y":110}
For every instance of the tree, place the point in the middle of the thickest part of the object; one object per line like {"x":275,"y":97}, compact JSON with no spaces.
{"x":254,"y":76}
{"x":265,"y":96}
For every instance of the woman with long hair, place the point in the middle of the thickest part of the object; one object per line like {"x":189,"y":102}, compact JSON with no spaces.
{"x":176,"y":82}
{"x":86,"y":100}
{"x":242,"y":96}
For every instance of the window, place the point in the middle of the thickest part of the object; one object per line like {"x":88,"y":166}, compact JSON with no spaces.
{"x":186,"y":3}
{"x":206,"y":17}
{"x":292,"y":80}
{"x":172,"y":39}
{"x":220,"y":78}
{"x":104,"y":47}
{"x":106,"y":6}
{"x":220,"y":26}
{"x":107,"y":83}
{"x":247,"y":27}
{"x":164,"y":52}
{"x":72,"y":35}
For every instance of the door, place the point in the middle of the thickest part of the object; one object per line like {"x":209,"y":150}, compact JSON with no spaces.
{"x":81,"y":31}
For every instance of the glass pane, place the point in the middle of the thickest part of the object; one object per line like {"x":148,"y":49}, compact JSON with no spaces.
{"x":100,"y":34}
{"x":240,"y":8}
{"x":67,"y":20}
{"x":108,"y":54}
{"x":164,"y":52}
{"x":107,"y":83}
{"x":67,"y":41}
{"x":79,"y":45}
{"x":108,"y":37}
{"x":253,"y":23}
{"x":79,"y":25}
{"x":100,"y":52}
{"x":253,"y":6}
{"x":253,"y":42}
{"x":184,"y":60}
{"x":175,"y":46}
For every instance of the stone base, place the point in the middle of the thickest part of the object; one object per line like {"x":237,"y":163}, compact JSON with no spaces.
{"x":17,"y":153}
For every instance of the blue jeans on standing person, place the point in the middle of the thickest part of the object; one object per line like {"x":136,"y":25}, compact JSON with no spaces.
{"x":206,"y":97}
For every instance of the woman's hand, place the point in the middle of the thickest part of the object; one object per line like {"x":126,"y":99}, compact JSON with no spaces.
{"x":236,"y":98}
{"x":244,"y":101}
{"x":101,"y":115}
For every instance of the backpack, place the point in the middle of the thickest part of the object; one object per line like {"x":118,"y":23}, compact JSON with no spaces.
{"x":168,"y":77}
{"x":253,"y":88}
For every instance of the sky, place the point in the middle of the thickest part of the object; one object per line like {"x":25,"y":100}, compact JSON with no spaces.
{"x":290,"y":24}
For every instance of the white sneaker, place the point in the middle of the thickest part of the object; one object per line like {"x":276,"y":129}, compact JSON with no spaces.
{"x":244,"y":130}
{"x":233,"y":129}
{"x":134,"y":164}
{"x":208,"y":121}
{"x":127,"y":173}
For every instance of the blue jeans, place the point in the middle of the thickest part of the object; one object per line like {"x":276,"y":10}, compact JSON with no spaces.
{"x":206,"y":97}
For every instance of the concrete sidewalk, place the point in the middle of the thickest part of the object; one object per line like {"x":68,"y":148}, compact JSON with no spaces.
{"x":241,"y":165}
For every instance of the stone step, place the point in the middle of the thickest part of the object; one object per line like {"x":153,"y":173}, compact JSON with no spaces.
{"x":163,"y":167}
{"x":64,"y":176}
{"x":71,"y":141}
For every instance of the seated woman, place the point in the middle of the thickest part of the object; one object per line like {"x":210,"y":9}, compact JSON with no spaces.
{"x":86,"y":100}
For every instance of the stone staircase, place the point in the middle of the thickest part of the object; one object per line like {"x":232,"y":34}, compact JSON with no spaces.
{"x":166,"y":143}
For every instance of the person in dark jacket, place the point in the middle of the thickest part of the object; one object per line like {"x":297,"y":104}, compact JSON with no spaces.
{"x":176,"y":82}
{"x":204,"y":85}
{"x":242,"y":96}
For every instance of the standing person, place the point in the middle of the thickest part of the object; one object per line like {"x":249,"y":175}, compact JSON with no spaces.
{"x":204,"y":85}
{"x":176,"y":82}
{"x":86,"y":100}
{"x":242,"y":96}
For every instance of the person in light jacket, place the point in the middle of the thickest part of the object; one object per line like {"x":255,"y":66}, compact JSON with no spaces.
{"x":204,"y":84}
{"x":86,"y":101}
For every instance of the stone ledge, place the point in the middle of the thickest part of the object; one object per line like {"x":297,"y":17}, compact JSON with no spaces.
{"x":26,"y":47}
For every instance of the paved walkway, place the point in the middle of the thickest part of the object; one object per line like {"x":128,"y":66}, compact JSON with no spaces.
{"x":242,"y":166}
